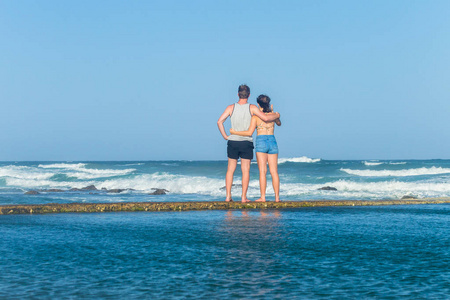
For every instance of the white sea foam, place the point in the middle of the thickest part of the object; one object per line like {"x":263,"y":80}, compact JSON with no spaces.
{"x":45,"y":172}
{"x":81,"y":172}
{"x":398,"y":173}
{"x":201,"y":185}
{"x":23,"y":172}
{"x":97,"y":173}
{"x":30,"y":183}
{"x":253,"y":162}
{"x":369,"y":163}
{"x":377,"y":163}
{"x":134,"y":164}
{"x":368,"y":190}
{"x":63,"y":166}
{"x":302,"y":159}
{"x":178,"y":184}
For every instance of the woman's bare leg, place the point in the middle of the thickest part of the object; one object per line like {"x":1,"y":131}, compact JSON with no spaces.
{"x":262,"y":165}
{"x":273,"y":166}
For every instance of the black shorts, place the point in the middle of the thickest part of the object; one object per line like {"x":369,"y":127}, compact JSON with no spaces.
{"x":242,"y":149}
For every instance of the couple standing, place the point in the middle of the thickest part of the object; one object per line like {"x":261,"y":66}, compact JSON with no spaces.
{"x":245,"y":118}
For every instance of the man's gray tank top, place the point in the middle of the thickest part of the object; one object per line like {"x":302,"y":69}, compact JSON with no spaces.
{"x":240,"y":121}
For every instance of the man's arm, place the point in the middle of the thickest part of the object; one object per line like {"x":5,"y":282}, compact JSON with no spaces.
{"x":248,"y":132}
{"x":266,"y":118}
{"x":228,"y":111}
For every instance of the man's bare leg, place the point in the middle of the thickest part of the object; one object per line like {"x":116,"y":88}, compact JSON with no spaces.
{"x":262,"y":165}
{"x":273,"y":166}
{"x":245,"y":167}
{"x":232,"y":163}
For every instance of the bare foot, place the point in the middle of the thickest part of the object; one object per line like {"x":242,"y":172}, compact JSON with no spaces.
{"x":277,"y":200}
{"x":260,"y":200}
{"x":229,"y":200}
{"x":245,"y":200}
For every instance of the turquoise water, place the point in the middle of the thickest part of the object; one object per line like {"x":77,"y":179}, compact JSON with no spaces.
{"x":301,"y":178}
{"x":386,"y":252}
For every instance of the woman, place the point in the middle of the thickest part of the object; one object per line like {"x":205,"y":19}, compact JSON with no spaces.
{"x":266,"y":148}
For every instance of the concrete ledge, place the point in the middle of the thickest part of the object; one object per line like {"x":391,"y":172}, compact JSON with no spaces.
{"x":185,"y":206}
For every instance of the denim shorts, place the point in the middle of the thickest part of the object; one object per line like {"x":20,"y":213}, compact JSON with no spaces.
{"x":266,"y":144}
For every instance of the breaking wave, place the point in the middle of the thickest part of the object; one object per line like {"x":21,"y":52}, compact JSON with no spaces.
{"x":177,"y":184}
{"x":297,"y":182}
{"x":78,"y":171}
{"x":377,"y":163}
{"x":63,"y":166}
{"x":398,"y":173}
{"x":24,"y":173}
{"x":302,"y":159}
{"x":369,"y":163}
{"x":347,"y":189}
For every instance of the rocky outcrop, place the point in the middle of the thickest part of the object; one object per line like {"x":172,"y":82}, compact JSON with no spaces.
{"x":238,"y":185}
{"x":90,"y":188}
{"x":159,"y":191}
{"x":86,"y":188}
{"x":116,"y":191}
{"x":32,"y":193}
{"x":408,"y":197}
{"x":327,"y":188}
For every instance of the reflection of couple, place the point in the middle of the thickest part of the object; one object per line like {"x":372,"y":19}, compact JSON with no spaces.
{"x":245,"y":118}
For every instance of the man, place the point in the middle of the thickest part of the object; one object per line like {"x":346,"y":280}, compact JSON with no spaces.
{"x":240,"y":115}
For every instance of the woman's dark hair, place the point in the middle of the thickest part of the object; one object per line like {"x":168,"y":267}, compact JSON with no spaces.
{"x":264,"y":102}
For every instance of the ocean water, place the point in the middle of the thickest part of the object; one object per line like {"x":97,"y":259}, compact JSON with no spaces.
{"x":391,"y":252}
{"x":301,"y":177}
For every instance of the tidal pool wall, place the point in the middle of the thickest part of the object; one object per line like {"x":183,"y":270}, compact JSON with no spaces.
{"x":186,"y":206}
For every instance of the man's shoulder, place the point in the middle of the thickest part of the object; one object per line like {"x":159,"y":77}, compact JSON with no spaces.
{"x":229,"y":108}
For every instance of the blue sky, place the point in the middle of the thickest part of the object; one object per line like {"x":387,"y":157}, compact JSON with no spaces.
{"x":147,"y":80}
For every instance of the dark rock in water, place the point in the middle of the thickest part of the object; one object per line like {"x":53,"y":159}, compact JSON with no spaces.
{"x":90,"y":188}
{"x":408,"y":197}
{"x":104,"y":189}
{"x":327,"y":188}
{"x":116,"y":190}
{"x":32,"y":193}
{"x":86,"y":188}
{"x":53,"y":191}
{"x":159,"y":191}
{"x":234,"y":185}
